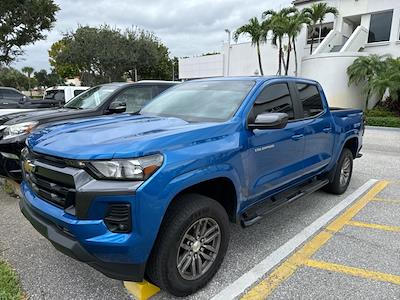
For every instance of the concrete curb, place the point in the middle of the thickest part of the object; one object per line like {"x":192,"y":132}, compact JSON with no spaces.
{"x":383,"y":128}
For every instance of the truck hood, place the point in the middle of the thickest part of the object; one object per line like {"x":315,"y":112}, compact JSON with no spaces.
{"x":42,"y":115}
{"x":120,"y":136}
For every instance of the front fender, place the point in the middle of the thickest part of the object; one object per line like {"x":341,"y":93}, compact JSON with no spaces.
{"x":153,"y":200}
{"x":193,"y":177}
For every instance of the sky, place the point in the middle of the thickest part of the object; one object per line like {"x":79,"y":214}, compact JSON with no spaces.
{"x":187,"y":28}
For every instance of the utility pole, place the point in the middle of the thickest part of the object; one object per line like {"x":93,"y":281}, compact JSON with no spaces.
{"x":229,"y":51}
{"x":173,"y":70}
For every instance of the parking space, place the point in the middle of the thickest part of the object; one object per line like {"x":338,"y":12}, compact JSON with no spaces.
{"x":350,"y":247}
{"x":366,"y":244}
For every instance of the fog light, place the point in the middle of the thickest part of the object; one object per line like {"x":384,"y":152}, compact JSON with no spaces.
{"x":118,"y":218}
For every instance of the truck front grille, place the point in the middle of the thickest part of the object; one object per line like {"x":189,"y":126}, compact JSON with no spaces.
{"x":55,"y":193}
{"x":52,"y":186}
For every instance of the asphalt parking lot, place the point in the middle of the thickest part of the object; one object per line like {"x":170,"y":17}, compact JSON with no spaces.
{"x":357,"y":256}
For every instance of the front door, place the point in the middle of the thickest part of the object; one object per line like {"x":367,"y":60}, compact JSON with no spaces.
{"x":275,"y":156}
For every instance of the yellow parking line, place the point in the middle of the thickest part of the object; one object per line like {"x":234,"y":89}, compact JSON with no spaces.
{"x":338,"y":224}
{"x":263,"y":289}
{"x":374,"y":226}
{"x":358,"y":272}
{"x":283,"y":272}
{"x":394,"y":201}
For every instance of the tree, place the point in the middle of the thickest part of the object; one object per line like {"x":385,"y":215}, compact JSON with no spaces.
{"x":23,"y":23}
{"x":11,"y":77}
{"x":64,"y":70}
{"x":316,"y":15}
{"x":106,"y":54}
{"x":28,"y":71}
{"x":257,"y":32}
{"x":294,"y":27}
{"x":45,"y":79}
{"x":364,"y":72}
{"x":387,"y":78}
{"x":279,"y":24}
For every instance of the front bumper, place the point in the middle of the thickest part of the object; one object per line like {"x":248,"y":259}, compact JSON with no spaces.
{"x":11,"y":168}
{"x":61,"y":231}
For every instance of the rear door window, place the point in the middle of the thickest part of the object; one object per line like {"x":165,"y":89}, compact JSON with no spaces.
{"x":310,"y":99}
{"x":12,"y":94}
{"x":57,"y":95}
{"x":77,"y":92}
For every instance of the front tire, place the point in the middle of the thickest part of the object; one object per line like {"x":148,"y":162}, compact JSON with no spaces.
{"x":342,"y":176}
{"x":191,"y":245}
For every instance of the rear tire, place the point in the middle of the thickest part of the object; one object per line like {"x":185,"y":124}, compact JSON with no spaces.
{"x":190,"y":246}
{"x":342,"y":176}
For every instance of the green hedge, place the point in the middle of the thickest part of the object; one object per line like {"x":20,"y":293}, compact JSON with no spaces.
{"x":382,"y":117}
{"x":9,"y":283}
{"x":384,"y":121}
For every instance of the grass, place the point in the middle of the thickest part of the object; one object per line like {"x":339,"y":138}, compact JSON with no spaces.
{"x":382,"y":117}
{"x":10,"y":288}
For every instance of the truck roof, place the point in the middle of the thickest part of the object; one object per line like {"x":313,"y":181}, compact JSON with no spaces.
{"x":64,"y":87}
{"x":256,"y":78}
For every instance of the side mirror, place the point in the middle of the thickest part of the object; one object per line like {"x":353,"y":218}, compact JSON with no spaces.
{"x":117,"y":107}
{"x":23,"y":99}
{"x":269,"y":121}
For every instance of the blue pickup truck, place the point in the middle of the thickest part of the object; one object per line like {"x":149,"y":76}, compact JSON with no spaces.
{"x":150,"y":195}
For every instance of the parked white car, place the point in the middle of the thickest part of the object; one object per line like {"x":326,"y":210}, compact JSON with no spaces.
{"x":63,"y":93}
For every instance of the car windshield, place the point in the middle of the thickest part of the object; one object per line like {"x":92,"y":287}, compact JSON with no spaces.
{"x":215,"y":100}
{"x":91,"y":98}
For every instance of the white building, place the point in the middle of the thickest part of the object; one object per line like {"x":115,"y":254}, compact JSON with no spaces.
{"x":362,"y":27}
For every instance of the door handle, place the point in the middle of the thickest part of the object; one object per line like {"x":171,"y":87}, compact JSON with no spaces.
{"x":297,"y":137}
{"x":327,"y":130}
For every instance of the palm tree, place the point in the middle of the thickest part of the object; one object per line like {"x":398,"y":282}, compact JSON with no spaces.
{"x":28,"y":71}
{"x":387,"y":78}
{"x":257,"y":33}
{"x":316,"y":14}
{"x":294,"y":27}
{"x":364,"y":72}
{"x":279,"y":26}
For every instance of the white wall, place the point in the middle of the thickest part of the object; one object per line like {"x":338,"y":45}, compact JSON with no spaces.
{"x":202,"y":66}
{"x":330,"y":69}
{"x":244,"y":61}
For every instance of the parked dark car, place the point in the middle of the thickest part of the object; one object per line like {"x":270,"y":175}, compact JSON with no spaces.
{"x":100,"y":100}
{"x":12,"y":98}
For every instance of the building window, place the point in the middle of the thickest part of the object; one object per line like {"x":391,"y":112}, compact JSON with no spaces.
{"x":380,"y":26}
{"x":319,"y":32}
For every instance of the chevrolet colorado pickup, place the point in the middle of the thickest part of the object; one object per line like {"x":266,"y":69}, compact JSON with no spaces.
{"x":104,"y":99}
{"x":150,"y":195}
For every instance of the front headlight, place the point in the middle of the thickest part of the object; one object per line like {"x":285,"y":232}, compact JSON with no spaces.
{"x":126,"y":169}
{"x":18,"y":129}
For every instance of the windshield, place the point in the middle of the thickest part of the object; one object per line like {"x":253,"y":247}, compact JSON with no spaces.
{"x":201,"y":100}
{"x":91,"y":98}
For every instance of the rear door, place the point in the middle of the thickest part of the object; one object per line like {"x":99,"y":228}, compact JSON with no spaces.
{"x":275,"y":156}
{"x":318,"y":127}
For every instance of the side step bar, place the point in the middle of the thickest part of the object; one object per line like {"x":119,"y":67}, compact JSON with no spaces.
{"x":254,"y":214}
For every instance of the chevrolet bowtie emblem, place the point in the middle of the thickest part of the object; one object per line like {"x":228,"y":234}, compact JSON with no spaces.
{"x":29,"y":167}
